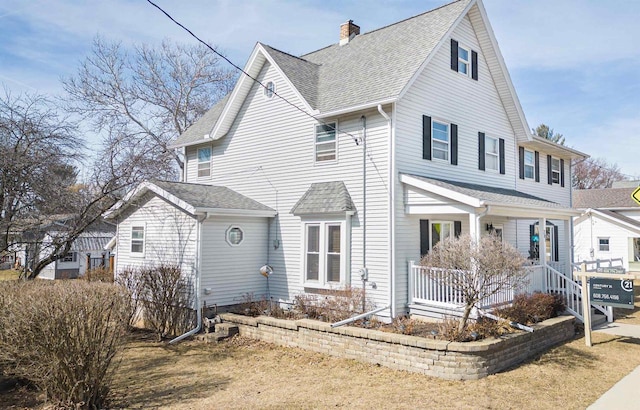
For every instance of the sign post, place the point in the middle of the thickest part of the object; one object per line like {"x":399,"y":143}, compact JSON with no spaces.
{"x":609,"y":287}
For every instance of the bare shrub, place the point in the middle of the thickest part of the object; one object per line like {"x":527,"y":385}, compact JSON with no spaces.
{"x":477,"y":270}
{"x":98,"y":275}
{"x":62,"y":336}
{"x":129,"y":282}
{"x":532,"y":308}
{"x":166,"y":298}
{"x":334,"y":305}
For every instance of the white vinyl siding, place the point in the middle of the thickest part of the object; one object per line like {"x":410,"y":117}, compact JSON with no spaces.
{"x":587,"y":235}
{"x":169,"y":237}
{"x":282,"y":170}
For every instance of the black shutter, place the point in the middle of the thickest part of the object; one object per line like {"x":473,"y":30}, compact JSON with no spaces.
{"x":426,"y":137}
{"x":537,"y":154}
{"x":424,"y":237}
{"x":555,"y":244}
{"x":454,"y":55}
{"x":549,"y":172}
{"x":521,"y":161}
{"x":481,"y":165}
{"x":454,"y":144}
{"x":457,"y":228}
{"x":474,"y":65}
{"x":562,"y":173}
{"x":502,"y":159}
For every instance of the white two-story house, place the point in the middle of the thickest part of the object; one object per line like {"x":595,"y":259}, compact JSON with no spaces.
{"x":352,"y":161}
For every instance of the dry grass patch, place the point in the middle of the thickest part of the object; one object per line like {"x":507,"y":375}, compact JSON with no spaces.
{"x":9,"y":274}
{"x":244,"y":373}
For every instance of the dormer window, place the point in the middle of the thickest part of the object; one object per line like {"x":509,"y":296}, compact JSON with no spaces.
{"x":204,"y":162}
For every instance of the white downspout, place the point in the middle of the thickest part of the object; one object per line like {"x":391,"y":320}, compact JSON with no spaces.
{"x":198,"y":278}
{"x":392,"y":219}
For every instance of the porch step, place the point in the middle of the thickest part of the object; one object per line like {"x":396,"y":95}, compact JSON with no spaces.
{"x":220,"y":332}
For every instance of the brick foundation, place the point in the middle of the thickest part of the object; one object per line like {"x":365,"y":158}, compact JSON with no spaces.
{"x":446,"y":360}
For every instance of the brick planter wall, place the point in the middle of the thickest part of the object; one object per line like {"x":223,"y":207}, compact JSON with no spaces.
{"x":447,"y":360}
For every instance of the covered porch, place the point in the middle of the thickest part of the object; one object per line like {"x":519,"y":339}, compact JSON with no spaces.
{"x":443,"y":209}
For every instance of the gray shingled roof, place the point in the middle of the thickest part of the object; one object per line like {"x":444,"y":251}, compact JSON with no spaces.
{"x":606,"y":198}
{"x":203,"y":126}
{"x":620,"y":217}
{"x":373,"y":66}
{"x":324,"y":197}
{"x":377,"y":65}
{"x":491,"y":194}
{"x":210,"y":196}
{"x":90,"y":242}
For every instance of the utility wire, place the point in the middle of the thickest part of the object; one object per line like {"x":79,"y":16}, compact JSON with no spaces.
{"x":355,"y":139}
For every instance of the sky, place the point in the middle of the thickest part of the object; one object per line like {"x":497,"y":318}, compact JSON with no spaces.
{"x":573,"y":63}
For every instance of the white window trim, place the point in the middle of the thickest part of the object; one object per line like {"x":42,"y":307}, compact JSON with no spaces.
{"x":501,"y":228}
{"x":488,"y":154}
{"x":144,"y":240}
{"x":226,"y":235}
{"x":532,"y":165}
{"x":554,"y":172}
{"x":345,"y":259}
{"x":448,"y":124}
{"x":466,"y":62}
{"x":315,"y":144}
{"x":608,"y":244}
{"x":431,"y":223}
{"x":198,"y":162}
{"x":265,"y":90}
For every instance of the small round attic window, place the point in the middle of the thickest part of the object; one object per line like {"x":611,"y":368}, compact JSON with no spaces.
{"x":269,"y":89}
{"x":235,"y":235}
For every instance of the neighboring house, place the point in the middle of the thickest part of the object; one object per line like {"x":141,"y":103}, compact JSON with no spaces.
{"x":88,"y":251}
{"x":291,"y":184}
{"x":609,"y":226}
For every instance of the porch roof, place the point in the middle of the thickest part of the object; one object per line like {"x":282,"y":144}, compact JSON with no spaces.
{"x":323,"y":198}
{"x":497,"y":201}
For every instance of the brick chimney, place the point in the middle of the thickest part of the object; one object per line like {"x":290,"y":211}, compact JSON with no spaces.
{"x":348,"y":31}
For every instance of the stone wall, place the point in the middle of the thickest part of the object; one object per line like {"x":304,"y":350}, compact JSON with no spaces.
{"x":447,"y":360}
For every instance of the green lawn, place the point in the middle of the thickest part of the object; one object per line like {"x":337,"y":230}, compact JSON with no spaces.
{"x":9,"y":274}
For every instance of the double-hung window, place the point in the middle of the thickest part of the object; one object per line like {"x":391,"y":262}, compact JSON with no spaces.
{"x":529,"y":164}
{"x":464,"y":60}
{"x":325,"y":140}
{"x":204,"y":162}
{"x":137,"y":239}
{"x":324,"y":251}
{"x":70,"y":257}
{"x":491,"y":153}
{"x":440,"y":140}
{"x":555,"y":170}
{"x":603,"y":244}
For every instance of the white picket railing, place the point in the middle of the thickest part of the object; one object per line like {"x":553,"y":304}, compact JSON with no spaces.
{"x":437,"y":286}
{"x":593,"y":265}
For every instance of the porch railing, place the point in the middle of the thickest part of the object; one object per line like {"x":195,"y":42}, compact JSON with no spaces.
{"x":593,"y":265}
{"x":430,"y":285}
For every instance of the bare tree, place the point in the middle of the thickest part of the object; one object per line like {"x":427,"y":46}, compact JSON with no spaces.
{"x":544,"y":131}
{"x":142,"y":100}
{"x":594,"y":173}
{"x":39,"y":152}
{"x":476,"y":270}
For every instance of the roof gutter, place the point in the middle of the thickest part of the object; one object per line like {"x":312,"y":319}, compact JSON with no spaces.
{"x":356,"y":108}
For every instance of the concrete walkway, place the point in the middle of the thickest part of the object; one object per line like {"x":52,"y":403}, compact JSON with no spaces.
{"x":626,"y":393}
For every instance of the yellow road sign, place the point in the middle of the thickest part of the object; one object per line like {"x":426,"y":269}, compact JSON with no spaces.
{"x":636,"y":195}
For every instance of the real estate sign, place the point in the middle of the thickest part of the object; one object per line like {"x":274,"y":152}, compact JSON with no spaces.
{"x":612,"y":292}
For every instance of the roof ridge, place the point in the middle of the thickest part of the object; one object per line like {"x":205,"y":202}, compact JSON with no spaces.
{"x":290,"y":55}
{"x":390,"y":25}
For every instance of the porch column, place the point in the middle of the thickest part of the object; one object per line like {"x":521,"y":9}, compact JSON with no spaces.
{"x":474,"y":227}
{"x":542,"y":241}
{"x":568,"y":253}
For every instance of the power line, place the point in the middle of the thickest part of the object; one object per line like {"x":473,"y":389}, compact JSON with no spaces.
{"x":355,"y":139}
